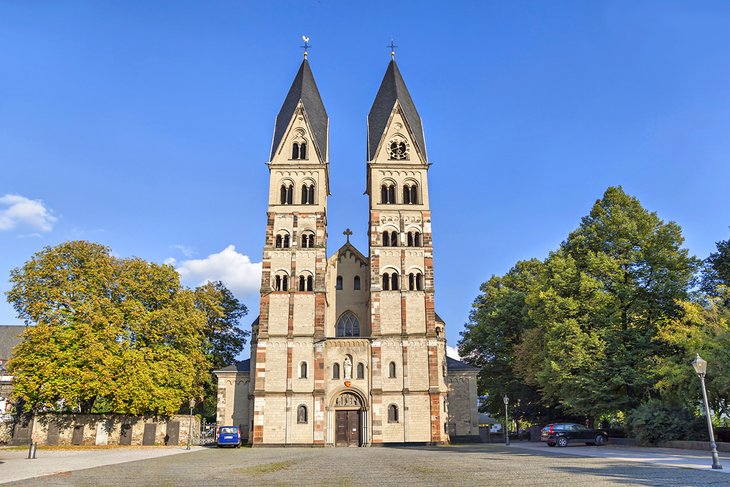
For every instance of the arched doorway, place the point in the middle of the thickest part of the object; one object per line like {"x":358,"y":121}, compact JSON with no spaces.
{"x":350,"y":420}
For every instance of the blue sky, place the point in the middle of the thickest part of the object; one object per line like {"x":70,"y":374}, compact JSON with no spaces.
{"x":146,"y":125}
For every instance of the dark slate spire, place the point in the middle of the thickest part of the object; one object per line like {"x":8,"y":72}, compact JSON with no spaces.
{"x":393,"y":89}
{"x":305,"y":89}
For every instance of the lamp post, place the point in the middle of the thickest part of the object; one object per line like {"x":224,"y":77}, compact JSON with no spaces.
{"x":190,"y":424}
{"x":506,"y":421}
{"x":700,"y":367}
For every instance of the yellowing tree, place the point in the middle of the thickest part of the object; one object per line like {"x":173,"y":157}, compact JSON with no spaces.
{"x":109,"y":334}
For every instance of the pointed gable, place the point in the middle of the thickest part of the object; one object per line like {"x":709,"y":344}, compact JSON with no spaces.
{"x":393,"y":89}
{"x":303,"y":90}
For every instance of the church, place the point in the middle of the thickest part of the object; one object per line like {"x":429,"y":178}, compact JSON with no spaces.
{"x":348,"y":349}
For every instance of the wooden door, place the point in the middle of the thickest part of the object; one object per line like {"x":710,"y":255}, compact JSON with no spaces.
{"x":353,"y":430}
{"x":341,"y":428}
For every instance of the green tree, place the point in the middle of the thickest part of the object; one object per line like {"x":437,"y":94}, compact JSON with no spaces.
{"x":224,"y":338}
{"x":116,"y":334}
{"x":716,"y":271}
{"x":618,"y":277}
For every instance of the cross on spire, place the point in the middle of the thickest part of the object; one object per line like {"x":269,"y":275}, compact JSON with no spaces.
{"x":347,"y":234}
{"x":392,"y":47}
{"x":306,"y":45}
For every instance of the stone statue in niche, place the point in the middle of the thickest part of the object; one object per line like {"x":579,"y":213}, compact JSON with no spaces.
{"x":348,"y":367}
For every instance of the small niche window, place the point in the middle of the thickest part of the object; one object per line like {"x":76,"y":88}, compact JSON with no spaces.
{"x":356,"y":283}
{"x":282,"y":241}
{"x":392,"y":413}
{"x":387,"y":194}
{"x":307,"y":240}
{"x":286,"y":194}
{"x":390,"y":281}
{"x":391,"y":370}
{"x":308,"y":194}
{"x":338,"y":283}
{"x":302,"y":414}
{"x":336,"y":371}
{"x":303,"y":370}
{"x":360,"y":370}
{"x":306,"y":283}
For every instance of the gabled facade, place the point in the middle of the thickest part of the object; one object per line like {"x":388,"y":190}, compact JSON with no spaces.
{"x":347,"y":350}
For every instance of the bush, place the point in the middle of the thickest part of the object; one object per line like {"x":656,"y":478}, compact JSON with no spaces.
{"x":655,"y":421}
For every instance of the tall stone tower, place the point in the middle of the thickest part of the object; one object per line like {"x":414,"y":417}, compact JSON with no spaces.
{"x":408,"y":351}
{"x":292,"y":316}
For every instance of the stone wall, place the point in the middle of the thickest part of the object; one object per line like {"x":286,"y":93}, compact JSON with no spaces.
{"x":463,"y":420}
{"x":110,"y":429}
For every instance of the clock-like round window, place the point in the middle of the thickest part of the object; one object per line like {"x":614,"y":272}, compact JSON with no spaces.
{"x":398,"y":150}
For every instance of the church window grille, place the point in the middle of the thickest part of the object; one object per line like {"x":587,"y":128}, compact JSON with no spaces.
{"x":356,"y":284}
{"x":392,"y":413}
{"x":287,"y":193}
{"x":391,"y":370}
{"x":302,"y":414}
{"x":336,"y":371}
{"x":360,"y":370}
{"x":338,"y":284}
{"x":303,"y":370}
{"x":348,"y":325}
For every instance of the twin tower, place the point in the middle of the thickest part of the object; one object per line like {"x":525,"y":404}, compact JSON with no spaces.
{"x":348,"y":349}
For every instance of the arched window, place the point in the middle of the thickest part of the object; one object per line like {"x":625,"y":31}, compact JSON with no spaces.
{"x":356,"y":284}
{"x":415,"y":281}
{"x":387,"y":193}
{"x":406,"y":195}
{"x":302,"y":283}
{"x":285,"y":241}
{"x":310,"y":283}
{"x":308,"y":194}
{"x":295,"y":150}
{"x":281,"y":282}
{"x":302,"y":414}
{"x":336,"y":371}
{"x":392,"y":413}
{"x":414,"y":239}
{"x":360,"y":370}
{"x":299,"y":150}
{"x":386,"y":282}
{"x":386,"y":239}
{"x":303,"y":150}
{"x":287,"y":193}
{"x":307,"y":240}
{"x":414,"y":194}
{"x":393,"y":238}
{"x":348,"y":325}
{"x":338,"y":283}
{"x":394,"y":282}
{"x":391,"y":370}
{"x":303,"y":370}
{"x":279,"y":240}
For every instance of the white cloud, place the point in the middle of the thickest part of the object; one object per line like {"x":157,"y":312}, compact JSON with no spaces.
{"x":232,"y":268}
{"x":184,"y":249}
{"x":19,"y":211}
{"x":452,"y":352}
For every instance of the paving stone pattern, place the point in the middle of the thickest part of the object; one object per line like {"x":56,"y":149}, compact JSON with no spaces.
{"x":453,"y":465}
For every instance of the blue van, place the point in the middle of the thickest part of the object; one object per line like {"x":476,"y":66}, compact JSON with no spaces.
{"x":229,"y":436}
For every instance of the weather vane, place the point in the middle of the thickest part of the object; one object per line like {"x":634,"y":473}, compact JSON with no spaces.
{"x":392,"y":47}
{"x":306,"y":45}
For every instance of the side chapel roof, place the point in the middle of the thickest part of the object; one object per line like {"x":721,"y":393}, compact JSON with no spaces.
{"x":303,"y":89}
{"x":393,"y":89}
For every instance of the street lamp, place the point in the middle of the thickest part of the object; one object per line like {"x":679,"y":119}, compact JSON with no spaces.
{"x":190,"y":425}
{"x":506,"y":428}
{"x":700,"y":367}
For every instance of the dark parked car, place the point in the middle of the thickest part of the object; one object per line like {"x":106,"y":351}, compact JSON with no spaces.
{"x":563,"y":433}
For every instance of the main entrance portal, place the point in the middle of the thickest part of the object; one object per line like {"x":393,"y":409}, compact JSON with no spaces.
{"x":349,"y":419}
{"x":348,"y":428}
